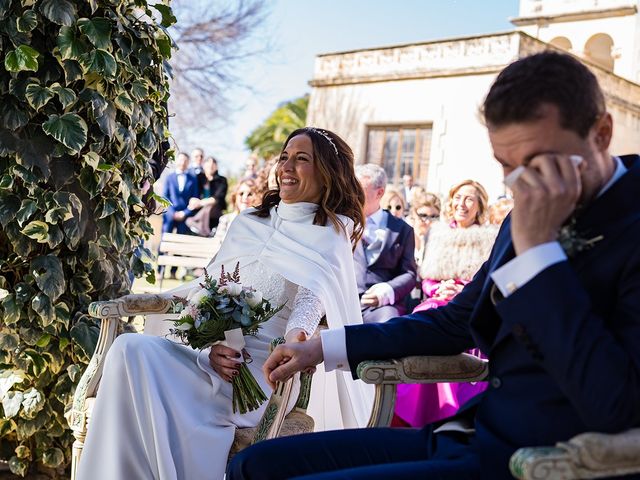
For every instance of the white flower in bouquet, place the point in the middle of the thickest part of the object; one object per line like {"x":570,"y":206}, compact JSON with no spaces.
{"x":232,"y":288}
{"x":196,"y":296}
{"x":253,"y":297}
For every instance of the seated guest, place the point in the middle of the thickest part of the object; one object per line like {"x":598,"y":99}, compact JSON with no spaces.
{"x":212,"y":201}
{"x":455,"y":251}
{"x":384,"y":258}
{"x":242,"y":197}
{"x":180,"y":186}
{"x":393,"y":202}
{"x":556,"y":307}
{"x":424,"y":213}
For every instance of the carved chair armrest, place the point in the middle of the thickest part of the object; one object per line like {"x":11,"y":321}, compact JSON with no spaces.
{"x":588,"y":455}
{"x":110,"y":312}
{"x":129,"y":305}
{"x":386,"y":374}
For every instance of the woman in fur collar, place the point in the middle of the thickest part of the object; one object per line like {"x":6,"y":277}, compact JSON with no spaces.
{"x":455,"y":251}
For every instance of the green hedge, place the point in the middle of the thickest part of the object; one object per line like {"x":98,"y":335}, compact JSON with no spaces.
{"x":83,"y":92}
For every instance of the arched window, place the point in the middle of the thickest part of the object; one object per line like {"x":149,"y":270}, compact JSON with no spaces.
{"x":562,"y":42}
{"x":598,"y":50}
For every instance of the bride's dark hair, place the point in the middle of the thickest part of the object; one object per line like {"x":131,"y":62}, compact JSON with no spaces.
{"x":342,"y":193}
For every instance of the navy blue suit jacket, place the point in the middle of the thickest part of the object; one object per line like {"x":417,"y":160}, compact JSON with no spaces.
{"x":564,"y":349}
{"x":179,"y":199}
{"x":396,"y":263}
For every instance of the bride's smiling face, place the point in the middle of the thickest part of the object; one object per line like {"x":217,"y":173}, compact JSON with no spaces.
{"x":297,"y":173}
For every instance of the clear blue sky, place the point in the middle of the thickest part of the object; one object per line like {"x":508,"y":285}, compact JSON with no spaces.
{"x":298,"y":30}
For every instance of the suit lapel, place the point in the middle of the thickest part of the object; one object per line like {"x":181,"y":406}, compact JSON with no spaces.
{"x":485,"y":322}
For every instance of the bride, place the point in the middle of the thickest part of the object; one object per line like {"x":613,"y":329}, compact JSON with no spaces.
{"x":164,"y":410}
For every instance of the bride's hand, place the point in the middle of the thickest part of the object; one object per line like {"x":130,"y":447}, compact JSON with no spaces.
{"x":225,"y":361}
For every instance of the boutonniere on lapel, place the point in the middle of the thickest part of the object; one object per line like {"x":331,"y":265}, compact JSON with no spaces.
{"x":572,"y":242}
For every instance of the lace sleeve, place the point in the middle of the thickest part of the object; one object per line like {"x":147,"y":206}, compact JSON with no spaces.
{"x":306,"y":312}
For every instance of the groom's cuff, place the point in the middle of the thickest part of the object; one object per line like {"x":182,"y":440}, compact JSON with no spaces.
{"x":334,"y":349}
{"x":517,"y":272}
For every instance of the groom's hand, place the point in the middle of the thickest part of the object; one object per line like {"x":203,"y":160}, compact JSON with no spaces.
{"x":545,"y":195}
{"x":290,"y":358}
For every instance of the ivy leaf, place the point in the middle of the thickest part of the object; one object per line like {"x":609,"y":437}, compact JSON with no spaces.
{"x":21,"y":59}
{"x":97,"y":30}
{"x":69,"y":45}
{"x":9,"y":378}
{"x":107,"y":120}
{"x":139,"y":90}
{"x":32,"y":402}
{"x":38,"y":96}
{"x":65,"y":95}
{"x":11,"y":404}
{"x":11,"y":310}
{"x":38,"y":364}
{"x":36,"y":230}
{"x":168,"y":18}
{"x":72,"y":71}
{"x":124,"y":103}
{"x":63,"y":316}
{"x":7,"y":142}
{"x":99,"y":61}
{"x":36,"y":152}
{"x":12,"y":114}
{"x":61,"y":12}
{"x":27,"y":208}
{"x":92,"y":159}
{"x":86,"y":336}
{"x":43,"y":307}
{"x":9,"y":205}
{"x":69,"y":129}
{"x":5,"y":5}
{"x":53,"y":458}
{"x":28,"y":21}
{"x":47,"y":271}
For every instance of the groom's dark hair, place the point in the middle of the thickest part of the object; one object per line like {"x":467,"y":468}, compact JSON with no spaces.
{"x":547,"y":78}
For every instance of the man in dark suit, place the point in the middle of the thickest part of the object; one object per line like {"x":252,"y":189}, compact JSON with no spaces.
{"x":384,"y":258}
{"x":556,"y":307}
{"x":180,"y":186}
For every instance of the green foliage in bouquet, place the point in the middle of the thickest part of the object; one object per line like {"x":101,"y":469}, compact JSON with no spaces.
{"x":220,"y":306}
{"x":83,"y":91}
{"x":217,"y":307}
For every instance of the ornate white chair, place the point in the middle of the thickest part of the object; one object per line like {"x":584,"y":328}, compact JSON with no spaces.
{"x":589,"y":455}
{"x":274,"y":422}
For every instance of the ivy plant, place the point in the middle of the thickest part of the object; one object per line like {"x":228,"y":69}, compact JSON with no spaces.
{"x":83,"y":94}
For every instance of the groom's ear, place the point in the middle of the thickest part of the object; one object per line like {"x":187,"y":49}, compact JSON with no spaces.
{"x":603,"y":130}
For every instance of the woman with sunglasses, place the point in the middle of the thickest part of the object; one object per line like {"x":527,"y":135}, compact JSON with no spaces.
{"x":454,"y":252}
{"x":393,"y":202}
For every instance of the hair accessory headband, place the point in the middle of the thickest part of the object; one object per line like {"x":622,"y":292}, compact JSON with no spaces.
{"x":325,"y":135}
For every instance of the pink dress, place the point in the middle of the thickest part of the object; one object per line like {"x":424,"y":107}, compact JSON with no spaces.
{"x":421,"y":404}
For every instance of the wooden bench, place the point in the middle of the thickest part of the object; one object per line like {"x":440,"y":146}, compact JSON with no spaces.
{"x":189,"y":251}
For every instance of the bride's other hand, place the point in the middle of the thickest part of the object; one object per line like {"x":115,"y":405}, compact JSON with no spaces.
{"x":302,"y":356}
{"x":225,"y":361}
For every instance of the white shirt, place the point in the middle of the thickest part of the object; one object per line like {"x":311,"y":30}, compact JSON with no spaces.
{"x":508,"y":278}
{"x":182,"y":180}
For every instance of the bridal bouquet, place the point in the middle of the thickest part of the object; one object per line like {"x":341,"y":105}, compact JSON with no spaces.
{"x":225,"y":310}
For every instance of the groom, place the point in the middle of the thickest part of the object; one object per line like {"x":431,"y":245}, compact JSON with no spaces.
{"x":556,"y":307}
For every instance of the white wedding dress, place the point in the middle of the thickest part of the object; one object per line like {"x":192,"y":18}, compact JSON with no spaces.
{"x":163,"y":413}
